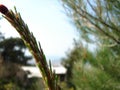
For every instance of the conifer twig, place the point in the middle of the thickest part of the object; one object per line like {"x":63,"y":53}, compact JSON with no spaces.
{"x":15,"y":19}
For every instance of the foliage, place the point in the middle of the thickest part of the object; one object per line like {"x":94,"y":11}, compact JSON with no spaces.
{"x":96,"y":20}
{"x":15,"y":19}
{"x":79,"y":52}
{"x":37,"y":84}
{"x":13,"y":50}
{"x":9,"y":86}
{"x":78,"y":56}
{"x":13,"y":77}
{"x":90,"y":71}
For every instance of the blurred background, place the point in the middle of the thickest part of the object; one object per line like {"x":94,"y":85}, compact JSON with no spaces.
{"x":48,"y":22}
{"x":80,"y":37}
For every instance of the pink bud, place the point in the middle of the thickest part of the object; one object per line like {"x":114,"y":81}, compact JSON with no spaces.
{"x":3,"y":9}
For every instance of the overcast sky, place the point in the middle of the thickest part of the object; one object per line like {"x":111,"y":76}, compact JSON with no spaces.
{"x":48,"y":22}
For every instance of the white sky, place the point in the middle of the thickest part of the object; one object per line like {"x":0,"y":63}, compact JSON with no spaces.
{"x":48,"y":23}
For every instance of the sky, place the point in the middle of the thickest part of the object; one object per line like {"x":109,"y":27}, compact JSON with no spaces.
{"x":48,"y":22}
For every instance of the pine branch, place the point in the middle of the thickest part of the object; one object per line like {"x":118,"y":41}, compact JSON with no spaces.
{"x":15,"y":19}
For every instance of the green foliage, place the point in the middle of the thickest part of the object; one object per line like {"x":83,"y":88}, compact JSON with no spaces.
{"x":112,"y":59}
{"x":91,"y":71}
{"x":15,"y":19}
{"x":96,"y":20}
{"x":13,"y":77}
{"x":13,"y":50}
{"x":9,"y":86}
{"x":37,"y":84}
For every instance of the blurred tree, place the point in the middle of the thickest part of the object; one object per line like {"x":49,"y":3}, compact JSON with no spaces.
{"x":13,"y":50}
{"x":92,"y":70}
{"x":79,"y":56}
{"x":98,"y":21}
{"x":13,"y":77}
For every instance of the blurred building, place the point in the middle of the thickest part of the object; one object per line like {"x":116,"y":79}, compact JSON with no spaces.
{"x":33,"y":71}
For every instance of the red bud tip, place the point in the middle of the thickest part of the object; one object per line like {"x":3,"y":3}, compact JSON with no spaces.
{"x":3,"y":9}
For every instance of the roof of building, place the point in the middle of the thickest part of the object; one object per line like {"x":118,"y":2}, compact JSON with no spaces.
{"x":35,"y":72}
